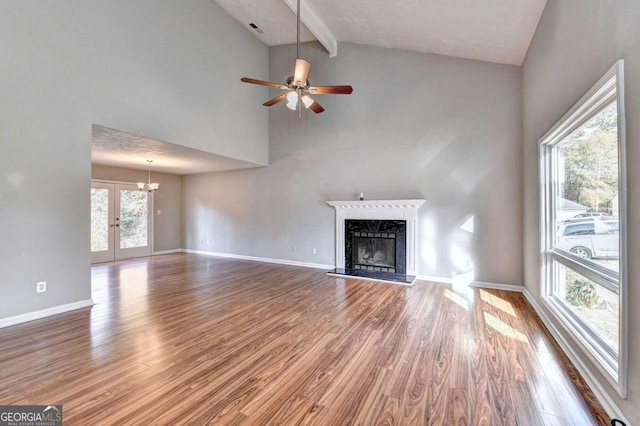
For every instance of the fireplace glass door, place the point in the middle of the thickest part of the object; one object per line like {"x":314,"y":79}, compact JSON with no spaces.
{"x":374,"y":251}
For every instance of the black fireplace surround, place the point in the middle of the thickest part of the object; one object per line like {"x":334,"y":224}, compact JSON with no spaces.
{"x":375,"y":249}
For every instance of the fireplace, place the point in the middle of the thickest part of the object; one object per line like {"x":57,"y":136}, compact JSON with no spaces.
{"x":374,"y":252}
{"x":376,"y":245}
{"x":377,"y":239}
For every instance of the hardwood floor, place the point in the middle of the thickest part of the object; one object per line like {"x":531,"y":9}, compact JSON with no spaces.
{"x":189,"y":339}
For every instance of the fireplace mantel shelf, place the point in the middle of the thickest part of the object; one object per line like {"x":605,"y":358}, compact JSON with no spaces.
{"x":376,"y":204}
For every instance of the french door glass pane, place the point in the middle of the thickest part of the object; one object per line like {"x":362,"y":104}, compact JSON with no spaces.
{"x":593,"y":303}
{"x":133,"y":219}
{"x":586,"y":179}
{"x":99,"y":219}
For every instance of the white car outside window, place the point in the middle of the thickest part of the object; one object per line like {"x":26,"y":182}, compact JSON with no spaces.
{"x":588,"y":239}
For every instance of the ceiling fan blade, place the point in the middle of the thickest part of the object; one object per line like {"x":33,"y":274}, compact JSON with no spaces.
{"x":301,"y":72}
{"x":264,"y":83}
{"x":330,"y":90}
{"x":275,"y":100}
{"x":316,"y":107}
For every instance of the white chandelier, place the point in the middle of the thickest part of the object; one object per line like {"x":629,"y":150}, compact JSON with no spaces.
{"x":151,"y":187}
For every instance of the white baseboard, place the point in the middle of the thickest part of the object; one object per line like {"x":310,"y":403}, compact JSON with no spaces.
{"x":497,"y":286}
{"x":601,"y":394}
{"x":261,"y":259}
{"x":30,"y":316}
{"x":435,"y":279}
{"x":155,"y":253}
{"x":480,"y":284}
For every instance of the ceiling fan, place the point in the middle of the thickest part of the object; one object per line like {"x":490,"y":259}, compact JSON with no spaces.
{"x":297,"y":86}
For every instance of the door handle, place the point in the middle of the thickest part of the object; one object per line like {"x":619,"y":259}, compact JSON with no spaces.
{"x":117,"y":224}
{"x":111,"y":225}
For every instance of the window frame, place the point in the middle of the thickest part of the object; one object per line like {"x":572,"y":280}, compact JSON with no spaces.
{"x":610,"y":88}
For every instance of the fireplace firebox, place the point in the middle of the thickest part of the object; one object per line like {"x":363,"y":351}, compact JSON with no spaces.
{"x":376,"y":245}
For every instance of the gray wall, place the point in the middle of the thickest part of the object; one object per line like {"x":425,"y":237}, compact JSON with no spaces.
{"x":417,"y":126}
{"x":159,"y":68}
{"x":575,"y":44}
{"x":167,"y":227}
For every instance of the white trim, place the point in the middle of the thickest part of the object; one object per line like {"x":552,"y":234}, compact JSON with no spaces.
{"x":261,"y":259}
{"x":377,"y":204}
{"x":55,"y":310}
{"x":590,"y":104}
{"x":101,"y":257}
{"x":121,"y":182}
{"x":156,"y":253}
{"x":317,"y":27}
{"x":623,"y":356}
{"x":107,"y":254}
{"x":406,"y":210}
{"x":610,"y":88}
{"x":152,"y":222}
{"x":434,"y":279}
{"x":498,"y":286}
{"x":128,"y":253}
{"x":601,"y":394}
{"x":477,"y":284}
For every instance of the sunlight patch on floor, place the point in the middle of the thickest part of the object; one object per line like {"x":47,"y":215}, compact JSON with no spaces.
{"x":497,"y":302}
{"x":504,"y":328}
{"x":457,"y":299}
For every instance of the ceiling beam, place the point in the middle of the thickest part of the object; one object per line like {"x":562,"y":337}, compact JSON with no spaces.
{"x":318,"y":28}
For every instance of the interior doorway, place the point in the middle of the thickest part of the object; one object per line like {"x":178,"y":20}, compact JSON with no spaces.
{"x":120,"y":221}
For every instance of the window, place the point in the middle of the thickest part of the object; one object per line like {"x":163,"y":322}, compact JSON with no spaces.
{"x":583,"y":194}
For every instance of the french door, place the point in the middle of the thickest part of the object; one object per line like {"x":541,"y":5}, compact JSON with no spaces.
{"x":120,"y":222}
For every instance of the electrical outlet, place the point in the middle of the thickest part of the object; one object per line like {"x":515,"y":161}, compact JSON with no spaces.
{"x":159,"y":212}
{"x":293,"y":248}
{"x":41,"y":286}
{"x":470,"y":264}
{"x":314,"y":251}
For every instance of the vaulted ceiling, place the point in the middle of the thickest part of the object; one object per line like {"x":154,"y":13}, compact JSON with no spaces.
{"x":488,"y":30}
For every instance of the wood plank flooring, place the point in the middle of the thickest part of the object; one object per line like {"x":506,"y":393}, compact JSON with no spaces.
{"x":190,"y":339}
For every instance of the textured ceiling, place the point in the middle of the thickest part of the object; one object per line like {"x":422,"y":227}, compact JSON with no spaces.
{"x":488,"y":30}
{"x":121,"y":149}
{"x":273,"y":17}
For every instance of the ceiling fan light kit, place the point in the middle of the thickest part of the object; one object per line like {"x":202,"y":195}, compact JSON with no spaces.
{"x":297,"y":86}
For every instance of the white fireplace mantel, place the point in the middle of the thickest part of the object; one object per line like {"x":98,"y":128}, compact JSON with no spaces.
{"x":378,"y":210}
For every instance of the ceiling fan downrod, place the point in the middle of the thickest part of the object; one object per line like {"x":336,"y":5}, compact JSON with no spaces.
{"x":298,"y":31}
